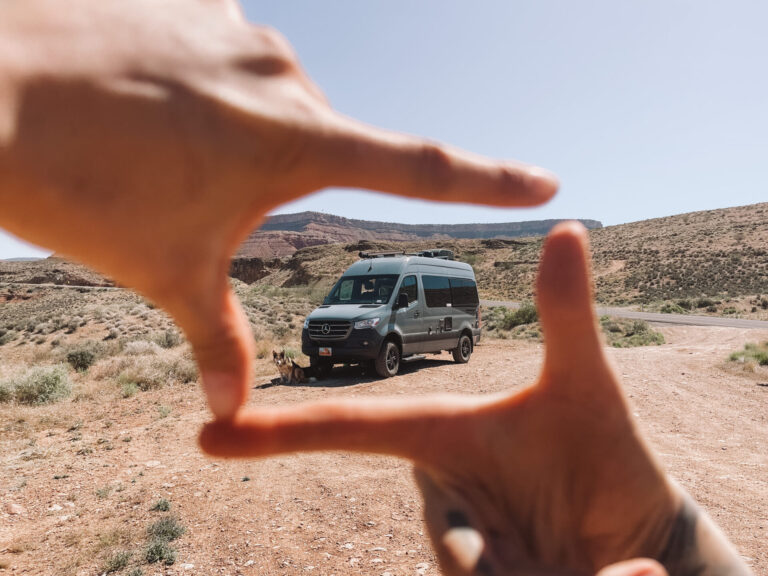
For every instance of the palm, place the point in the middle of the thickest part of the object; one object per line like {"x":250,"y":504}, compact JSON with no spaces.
{"x":553,"y":476}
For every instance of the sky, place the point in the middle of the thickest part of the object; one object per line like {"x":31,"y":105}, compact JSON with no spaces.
{"x":643,"y":108}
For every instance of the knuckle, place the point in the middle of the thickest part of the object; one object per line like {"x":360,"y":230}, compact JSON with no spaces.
{"x":435,"y":168}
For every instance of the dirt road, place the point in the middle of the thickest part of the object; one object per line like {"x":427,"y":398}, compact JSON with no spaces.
{"x":679,"y":319}
{"x":86,"y":472}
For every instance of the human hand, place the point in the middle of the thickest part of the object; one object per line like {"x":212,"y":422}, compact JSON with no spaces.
{"x":551,"y":479}
{"x":554,"y":475}
{"x":148,"y":139}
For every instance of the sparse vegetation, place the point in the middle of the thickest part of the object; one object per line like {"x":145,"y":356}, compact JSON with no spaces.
{"x":37,"y":386}
{"x":752,"y":354}
{"x":160,"y":551}
{"x":625,"y":333}
{"x":162,"y":505}
{"x":117,"y":561}
{"x":166,"y":529}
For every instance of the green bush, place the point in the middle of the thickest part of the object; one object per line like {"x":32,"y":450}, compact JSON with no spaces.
{"x":757,"y":353}
{"x":704,"y":303}
{"x":6,"y":392}
{"x":168,"y":339}
{"x":42,"y":386}
{"x":166,"y":529}
{"x":160,"y":551}
{"x":685,"y":304}
{"x":81,"y":359}
{"x":671,"y":308}
{"x":162,"y":505}
{"x":117,"y":561}
{"x":525,"y":314}
{"x":625,"y":333}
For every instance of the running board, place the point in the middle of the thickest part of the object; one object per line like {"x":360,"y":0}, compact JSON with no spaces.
{"x":412,"y":358}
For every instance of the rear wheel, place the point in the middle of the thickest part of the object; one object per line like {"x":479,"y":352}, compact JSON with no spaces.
{"x":322,"y":367}
{"x":463,"y":351}
{"x":388,"y":360}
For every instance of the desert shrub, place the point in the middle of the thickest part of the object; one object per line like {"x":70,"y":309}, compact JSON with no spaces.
{"x":160,"y":551}
{"x":81,"y":359}
{"x":671,"y":308}
{"x":626,"y":333}
{"x":730,"y":310}
{"x":156,"y":374}
{"x":711,"y":308}
{"x":704,"y":303}
{"x":162,"y":505}
{"x":757,"y":353}
{"x":685,"y":304}
{"x":6,"y":336}
{"x":140,"y":348}
{"x":167,"y":339}
{"x":166,"y":529}
{"x":6,"y":392}
{"x":117,"y":561}
{"x":42,"y":386}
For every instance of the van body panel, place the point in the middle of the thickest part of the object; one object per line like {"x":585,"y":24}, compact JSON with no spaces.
{"x":419,"y":328}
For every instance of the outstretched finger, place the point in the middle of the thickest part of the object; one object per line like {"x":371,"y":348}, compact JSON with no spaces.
{"x":359,"y":156}
{"x":564,"y":292}
{"x":410,"y":428}
{"x":221,"y":338}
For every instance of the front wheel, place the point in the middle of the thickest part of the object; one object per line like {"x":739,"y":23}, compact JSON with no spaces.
{"x":388,"y":360}
{"x":463,"y":351}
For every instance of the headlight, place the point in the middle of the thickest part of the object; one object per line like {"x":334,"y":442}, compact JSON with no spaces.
{"x":370,"y":323}
{"x":306,"y":323}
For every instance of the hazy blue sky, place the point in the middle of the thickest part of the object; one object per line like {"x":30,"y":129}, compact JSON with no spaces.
{"x":644,"y":108}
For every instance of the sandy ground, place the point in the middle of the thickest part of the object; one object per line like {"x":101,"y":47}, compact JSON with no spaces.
{"x":86,"y":473}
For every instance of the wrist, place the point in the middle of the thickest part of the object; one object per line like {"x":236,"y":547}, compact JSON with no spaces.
{"x":695,"y":546}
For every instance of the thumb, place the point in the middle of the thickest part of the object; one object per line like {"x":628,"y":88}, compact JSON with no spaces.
{"x":218,"y":330}
{"x":636,"y":567}
{"x":564,"y":292}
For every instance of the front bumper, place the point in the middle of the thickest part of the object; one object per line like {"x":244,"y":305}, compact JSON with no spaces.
{"x":359,"y":345}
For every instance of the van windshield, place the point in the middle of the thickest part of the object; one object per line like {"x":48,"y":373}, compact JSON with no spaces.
{"x":362,"y":289}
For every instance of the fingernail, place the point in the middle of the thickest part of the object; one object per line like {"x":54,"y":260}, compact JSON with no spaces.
{"x":466,"y":546}
{"x":225,"y":393}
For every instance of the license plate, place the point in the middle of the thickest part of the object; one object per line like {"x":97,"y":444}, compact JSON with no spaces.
{"x":325,"y":351}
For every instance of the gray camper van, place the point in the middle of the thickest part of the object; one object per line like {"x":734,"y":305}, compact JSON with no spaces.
{"x":392,"y":307}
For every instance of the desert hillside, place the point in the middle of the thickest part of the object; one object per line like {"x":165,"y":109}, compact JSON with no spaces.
{"x":710,"y":254}
{"x":281,"y":235}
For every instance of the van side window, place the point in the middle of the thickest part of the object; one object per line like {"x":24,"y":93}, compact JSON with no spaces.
{"x":411,"y":288}
{"x":464,"y":293}
{"x":437,"y":291}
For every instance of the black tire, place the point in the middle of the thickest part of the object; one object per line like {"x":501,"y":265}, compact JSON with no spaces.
{"x":463,"y":351}
{"x":321,"y":367}
{"x":388,"y":360}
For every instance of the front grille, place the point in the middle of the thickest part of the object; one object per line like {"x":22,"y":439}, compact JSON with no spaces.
{"x":327,"y":330}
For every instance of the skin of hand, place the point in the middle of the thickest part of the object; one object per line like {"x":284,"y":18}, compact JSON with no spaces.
{"x":550,"y":479}
{"x":148,"y":139}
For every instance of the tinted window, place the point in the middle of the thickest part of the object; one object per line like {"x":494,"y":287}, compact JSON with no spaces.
{"x":437,"y":291}
{"x":411,"y":288}
{"x":464,"y":292}
{"x":362,"y":290}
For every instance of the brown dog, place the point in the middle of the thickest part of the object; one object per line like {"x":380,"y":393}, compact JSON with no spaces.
{"x":290,"y":372}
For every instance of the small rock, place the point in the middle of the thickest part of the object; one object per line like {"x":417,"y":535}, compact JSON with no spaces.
{"x":54,"y":508}
{"x":13,"y":509}
{"x":348,"y":546}
{"x":187,"y":566}
{"x":152,"y":464}
{"x":249,"y":563}
{"x":376,"y":560}
{"x":354,"y":561}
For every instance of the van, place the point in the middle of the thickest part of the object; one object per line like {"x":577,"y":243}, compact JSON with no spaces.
{"x":393,"y":307}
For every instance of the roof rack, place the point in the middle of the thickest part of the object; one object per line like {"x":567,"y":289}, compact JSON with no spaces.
{"x":439,"y":253}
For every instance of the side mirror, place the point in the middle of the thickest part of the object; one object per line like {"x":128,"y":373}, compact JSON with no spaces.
{"x":402,"y":300}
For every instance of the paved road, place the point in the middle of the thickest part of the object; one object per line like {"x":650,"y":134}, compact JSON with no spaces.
{"x":690,"y":320}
